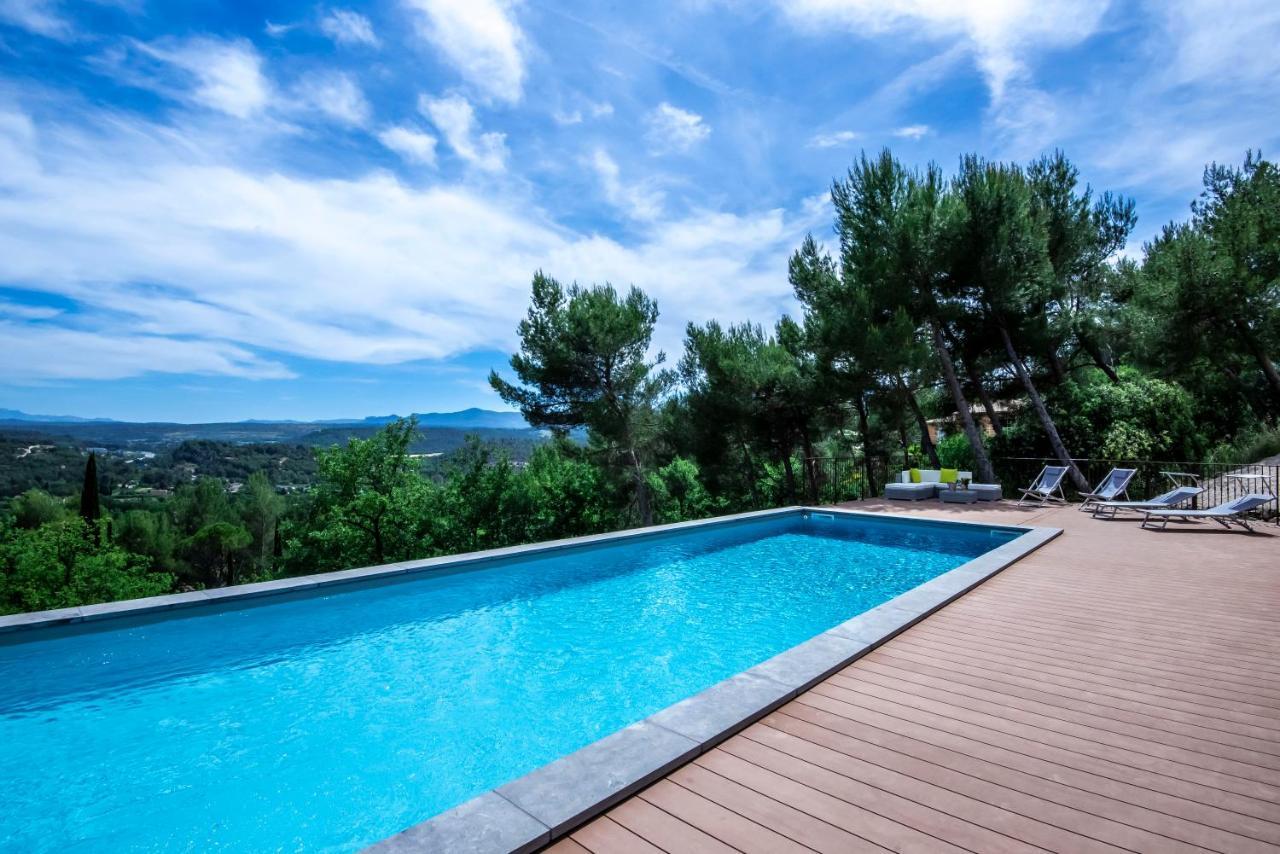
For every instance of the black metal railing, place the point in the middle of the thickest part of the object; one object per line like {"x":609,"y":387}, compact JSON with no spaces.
{"x":830,"y":480}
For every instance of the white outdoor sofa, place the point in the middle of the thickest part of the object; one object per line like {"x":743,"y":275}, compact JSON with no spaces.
{"x":931,"y":485}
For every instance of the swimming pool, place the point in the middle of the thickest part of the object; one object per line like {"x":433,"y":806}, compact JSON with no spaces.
{"x":334,"y":718}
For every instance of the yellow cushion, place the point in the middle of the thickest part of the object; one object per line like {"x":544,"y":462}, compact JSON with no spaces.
{"x":915,"y":475}
{"x":948,"y":475}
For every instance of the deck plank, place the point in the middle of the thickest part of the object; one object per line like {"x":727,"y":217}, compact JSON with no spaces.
{"x":796,"y":824}
{"x":1125,"y":706}
{"x":606,"y":835}
{"x":714,"y":820}
{"x":665,"y":830}
{"x":1118,"y":689}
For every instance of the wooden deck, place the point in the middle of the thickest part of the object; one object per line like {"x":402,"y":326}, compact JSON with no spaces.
{"x":1117,"y":690}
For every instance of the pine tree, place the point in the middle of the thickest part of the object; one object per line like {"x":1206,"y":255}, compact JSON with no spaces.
{"x":90,"y":504}
{"x":583,"y":362}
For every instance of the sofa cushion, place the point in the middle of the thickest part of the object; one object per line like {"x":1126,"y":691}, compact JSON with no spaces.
{"x":948,"y":475}
{"x":915,"y":475}
{"x":930,"y":476}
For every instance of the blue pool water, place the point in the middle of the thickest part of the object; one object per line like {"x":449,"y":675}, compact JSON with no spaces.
{"x":327,"y":722}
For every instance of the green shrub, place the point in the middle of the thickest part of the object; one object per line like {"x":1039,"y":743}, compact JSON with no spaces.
{"x":1138,"y":418}
{"x":1249,"y":447}
{"x":954,"y":452}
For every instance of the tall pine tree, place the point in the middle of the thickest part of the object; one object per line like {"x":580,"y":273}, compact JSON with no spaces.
{"x":90,"y":504}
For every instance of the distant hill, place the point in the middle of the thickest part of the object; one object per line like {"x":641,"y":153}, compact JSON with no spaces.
{"x":466,"y":419}
{"x":449,"y":428}
{"x":17,"y":415}
{"x":49,"y":455}
{"x":473,"y":417}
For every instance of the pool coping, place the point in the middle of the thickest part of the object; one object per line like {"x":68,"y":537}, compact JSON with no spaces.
{"x":549,"y":802}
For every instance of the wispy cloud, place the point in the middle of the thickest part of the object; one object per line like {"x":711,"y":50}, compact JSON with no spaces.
{"x":346,"y":27}
{"x":636,"y":201}
{"x":592,"y":109}
{"x":109,"y":355}
{"x":335,"y":95}
{"x":1002,"y":34}
{"x":479,"y":38}
{"x":223,"y":75}
{"x":834,"y":139}
{"x":913,"y":131}
{"x":454,"y":116}
{"x":42,"y":17}
{"x":186,"y":263}
{"x":410,"y":143}
{"x":22,"y":311}
{"x":277,"y":31}
{"x":672,"y":130}
{"x":1168,"y":103}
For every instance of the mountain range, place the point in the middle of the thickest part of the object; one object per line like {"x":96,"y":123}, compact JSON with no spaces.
{"x":443,"y":429}
{"x":472,"y":418}
{"x":18,"y":415}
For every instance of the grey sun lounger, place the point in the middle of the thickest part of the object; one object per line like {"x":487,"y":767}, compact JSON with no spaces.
{"x":1114,"y":486}
{"x":1224,"y":514}
{"x":1042,"y":490}
{"x":1173,"y":498}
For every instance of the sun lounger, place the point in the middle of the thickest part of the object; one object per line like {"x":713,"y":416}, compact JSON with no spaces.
{"x":1173,"y":498}
{"x":1114,"y":486}
{"x":1046,"y":487}
{"x":1224,"y":514}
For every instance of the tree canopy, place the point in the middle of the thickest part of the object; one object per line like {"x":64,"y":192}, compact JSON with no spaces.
{"x":584,"y":362}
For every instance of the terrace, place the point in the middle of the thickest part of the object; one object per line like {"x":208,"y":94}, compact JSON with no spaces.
{"x":1116,"y":689}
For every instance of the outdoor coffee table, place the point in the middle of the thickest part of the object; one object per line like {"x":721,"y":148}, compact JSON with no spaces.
{"x":958,"y":496}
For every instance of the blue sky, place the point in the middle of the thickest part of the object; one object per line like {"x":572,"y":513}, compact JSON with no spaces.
{"x":297,"y":210}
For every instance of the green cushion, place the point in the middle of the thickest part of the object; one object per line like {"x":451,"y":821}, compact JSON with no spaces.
{"x":948,"y":475}
{"x":915,"y":475}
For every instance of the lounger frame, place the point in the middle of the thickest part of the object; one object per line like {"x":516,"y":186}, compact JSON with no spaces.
{"x":1224,"y":514}
{"x":1044,"y":496}
{"x":1098,"y":495}
{"x":1100,"y":508}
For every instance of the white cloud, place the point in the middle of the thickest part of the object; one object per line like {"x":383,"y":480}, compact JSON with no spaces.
{"x":480,"y":39}
{"x":834,"y":139}
{"x":179,"y":259}
{"x":42,"y":352}
{"x":278,"y":30}
{"x":226,"y":75}
{"x":454,"y":116}
{"x":348,"y":28}
{"x":913,"y":131}
{"x":27,"y":312}
{"x":335,"y":95}
{"x":637,"y":201}
{"x":41,"y":17}
{"x":1174,"y":101}
{"x":19,"y":147}
{"x":411,"y":144}
{"x":673,"y":130}
{"x":1233,"y":42}
{"x":1002,"y":33}
{"x":595,"y":110}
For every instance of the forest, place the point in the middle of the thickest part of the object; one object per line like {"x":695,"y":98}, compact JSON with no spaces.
{"x":997,"y":308}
